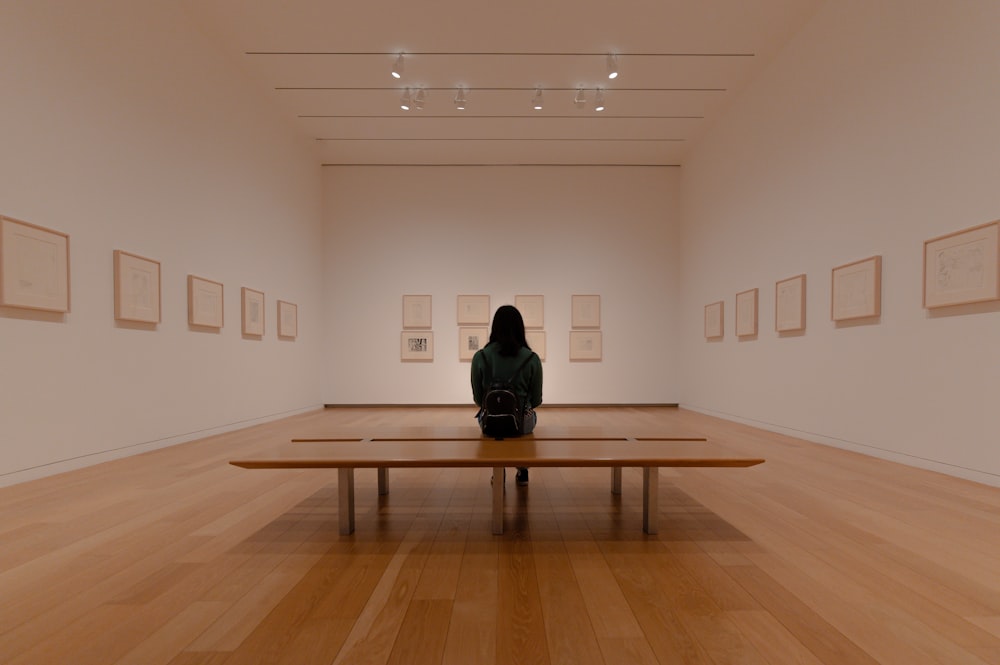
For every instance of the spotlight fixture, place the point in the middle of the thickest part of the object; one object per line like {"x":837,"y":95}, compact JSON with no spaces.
{"x":599,"y":100}
{"x":536,"y":101}
{"x":581,"y":99}
{"x":460,"y":98}
{"x":404,"y":101}
{"x":397,"y":68}
{"x":418,"y":99}
{"x":612,"y":66}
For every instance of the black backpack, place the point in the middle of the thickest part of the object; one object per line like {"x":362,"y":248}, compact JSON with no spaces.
{"x":503,"y":409}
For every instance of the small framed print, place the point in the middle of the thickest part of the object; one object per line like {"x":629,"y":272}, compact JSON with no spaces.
{"x":586,"y":312}
{"x":416,"y":346}
{"x":137,"y":288}
{"x":790,"y":304}
{"x":416,"y":312}
{"x":536,"y":340}
{"x":856,"y":290}
{"x":204,"y":302}
{"x":34,"y":267}
{"x":746,"y":313}
{"x":288,"y":320}
{"x":473,"y":310}
{"x":962,"y":267}
{"x":253,"y":312}
{"x":713,"y":320}
{"x":532,"y":310}
{"x":585,"y":345}
{"x":471,"y":340}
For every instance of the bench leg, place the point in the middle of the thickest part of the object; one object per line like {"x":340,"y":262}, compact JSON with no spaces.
{"x":616,"y":480}
{"x":650,"y":504}
{"x":383,"y":481}
{"x":345,"y":490}
{"x":498,"y":487}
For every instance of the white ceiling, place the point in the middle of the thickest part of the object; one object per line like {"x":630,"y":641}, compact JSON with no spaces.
{"x":328,"y":65}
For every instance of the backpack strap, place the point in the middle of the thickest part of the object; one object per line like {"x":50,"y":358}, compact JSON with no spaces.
{"x":517,"y":371}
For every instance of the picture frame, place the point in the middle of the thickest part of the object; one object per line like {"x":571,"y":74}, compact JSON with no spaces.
{"x":962,"y":267}
{"x":137,"y":288}
{"x":473,"y":310}
{"x":856,"y":290}
{"x":288,"y":320}
{"x":416,"y":346}
{"x":585,"y":346}
{"x":536,"y":340}
{"x":746,"y":313}
{"x":252,"y":310}
{"x":714,"y":320}
{"x":416,"y":312}
{"x":532,"y":310}
{"x":471,"y":340}
{"x":34,"y":267}
{"x":790,"y":304}
{"x":586,"y":311}
{"x":205,"y":302}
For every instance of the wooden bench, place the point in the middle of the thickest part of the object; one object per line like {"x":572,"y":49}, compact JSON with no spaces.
{"x":348,"y":454}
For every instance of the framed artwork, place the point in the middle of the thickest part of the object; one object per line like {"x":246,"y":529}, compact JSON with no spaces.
{"x":536,"y":340}
{"x":253,"y":312}
{"x":585,"y":345}
{"x":857,"y":290}
{"x":532,"y":310}
{"x":713,"y":320}
{"x":416,"y":312}
{"x":471,"y":340}
{"x":204,"y":302}
{"x":790,"y":304}
{"x":34,"y":266}
{"x":288,"y":320}
{"x":746,"y":313}
{"x":416,"y":346}
{"x":473,"y":310}
{"x":961,"y":267}
{"x":137,"y":288}
{"x":586,"y":312}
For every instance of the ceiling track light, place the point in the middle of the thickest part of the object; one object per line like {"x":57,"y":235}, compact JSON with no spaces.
{"x":612,"y":65}
{"x":599,"y":100}
{"x":581,"y":98}
{"x":460,"y":98}
{"x":536,"y":101}
{"x":418,"y":99}
{"x":397,"y":68}
{"x":404,"y":101}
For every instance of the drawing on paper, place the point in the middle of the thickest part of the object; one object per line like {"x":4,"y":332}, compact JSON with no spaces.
{"x":857,"y":290}
{"x":204,"y":302}
{"x":253,"y":312}
{"x":962,"y":267}
{"x":417,"y":346}
{"x":713,"y":320}
{"x":416,"y":311}
{"x":746,"y":313}
{"x":471,"y":340}
{"x":790,"y":304}
{"x":34,"y":266}
{"x":137,"y":288}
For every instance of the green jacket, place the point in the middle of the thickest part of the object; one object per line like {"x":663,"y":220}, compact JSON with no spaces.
{"x":488,"y":366}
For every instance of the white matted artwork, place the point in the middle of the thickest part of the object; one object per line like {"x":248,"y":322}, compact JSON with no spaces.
{"x":536,"y":340}
{"x":962,"y":267}
{"x":473,"y":310}
{"x":713,"y":320}
{"x":856,"y":290}
{"x":253,"y":312}
{"x":34,"y":266}
{"x":137,"y":288}
{"x":586,"y":311}
{"x":585,"y":345}
{"x":288,"y":319}
{"x":790,"y":304}
{"x":746,"y":313}
{"x":471,"y":340}
{"x":416,"y":346}
{"x":532,"y":310}
{"x":416,"y":312}
{"x":204,"y":302}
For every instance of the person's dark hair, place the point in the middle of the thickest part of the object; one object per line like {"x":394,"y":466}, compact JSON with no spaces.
{"x":508,"y":331}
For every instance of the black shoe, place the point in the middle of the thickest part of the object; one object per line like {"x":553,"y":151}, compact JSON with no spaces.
{"x":522,"y":476}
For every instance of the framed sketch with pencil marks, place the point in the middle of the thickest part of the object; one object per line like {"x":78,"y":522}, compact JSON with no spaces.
{"x":416,"y":346}
{"x":253,"y":312}
{"x":856,"y":290}
{"x":585,"y":345}
{"x":536,"y":340}
{"x":34,"y":266}
{"x":713,"y":320}
{"x":137,"y":288}
{"x":471,"y":340}
{"x":288,"y":320}
{"x":473,"y":310}
{"x":416,"y":312}
{"x":962,"y":267}
{"x":532,"y":310}
{"x":790,"y":304}
{"x":586,"y":312}
{"x":204,"y":302}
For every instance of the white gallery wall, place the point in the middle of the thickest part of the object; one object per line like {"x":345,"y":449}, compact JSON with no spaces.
{"x":500,"y":231}
{"x":874,"y":130}
{"x":117,"y":133}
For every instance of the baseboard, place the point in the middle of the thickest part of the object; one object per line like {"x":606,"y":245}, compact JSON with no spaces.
{"x":471,"y":406}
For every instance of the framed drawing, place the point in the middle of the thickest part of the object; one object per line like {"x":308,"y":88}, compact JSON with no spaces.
{"x":34,"y":266}
{"x":473,"y":310}
{"x":585,"y":345}
{"x":713,"y":320}
{"x":416,"y":312}
{"x":961,"y":267}
{"x":746,"y":313}
{"x":288,"y":320}
{"x":471,"y":340}
{"x":137,"y":288}
{"x":532,"y":310}
{"x":536,"y":340}
{"x":790,"y":304}
{"x":416,"y":346}
{"x":856,"y":290}
{"x":204,"y":302}
{"x":586,"y":312}
{"x":253,"y":312}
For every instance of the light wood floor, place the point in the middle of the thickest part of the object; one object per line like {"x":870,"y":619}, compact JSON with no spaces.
{"x":817,"y":556}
